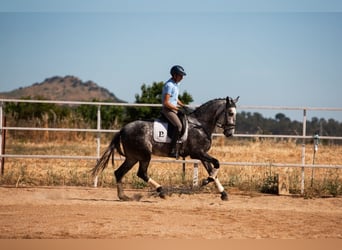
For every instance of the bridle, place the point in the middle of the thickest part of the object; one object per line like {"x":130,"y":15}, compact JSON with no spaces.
{"x":226,"y":124}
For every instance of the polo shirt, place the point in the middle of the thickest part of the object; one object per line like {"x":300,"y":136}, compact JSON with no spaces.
{"x":171,"y":88}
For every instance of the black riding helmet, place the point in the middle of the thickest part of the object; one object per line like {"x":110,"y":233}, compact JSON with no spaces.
{"x":177,"y":69}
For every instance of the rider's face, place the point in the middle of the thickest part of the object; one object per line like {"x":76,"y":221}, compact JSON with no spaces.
{"x":178,"y":78}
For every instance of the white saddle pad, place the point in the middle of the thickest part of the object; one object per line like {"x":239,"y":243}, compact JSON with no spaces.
{"x":160,"y":132}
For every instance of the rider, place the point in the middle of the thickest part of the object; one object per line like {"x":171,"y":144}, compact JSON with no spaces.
{"x":170,"y":101}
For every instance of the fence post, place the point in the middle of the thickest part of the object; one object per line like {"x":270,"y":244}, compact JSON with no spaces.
{"x":303,"y":153}
{"x":195,"y":176}
{"x":98,"y":139}
{"x":184,"y":170}
{"x":2,"y":134}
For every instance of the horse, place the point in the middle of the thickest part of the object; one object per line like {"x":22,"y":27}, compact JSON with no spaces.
{"x":136,"y":143}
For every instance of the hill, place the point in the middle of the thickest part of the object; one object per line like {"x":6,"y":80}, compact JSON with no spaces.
{"x":68,"y":88}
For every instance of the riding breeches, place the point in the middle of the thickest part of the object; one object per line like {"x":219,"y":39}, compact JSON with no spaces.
{"x":173,"y":118}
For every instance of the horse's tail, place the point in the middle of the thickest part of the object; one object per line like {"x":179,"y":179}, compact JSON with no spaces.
{"x":103,"y":161}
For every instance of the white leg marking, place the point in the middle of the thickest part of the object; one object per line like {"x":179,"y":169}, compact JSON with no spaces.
{"x":153,"y":183}
{"x":219,"y":185}
{"x":95,"y":181}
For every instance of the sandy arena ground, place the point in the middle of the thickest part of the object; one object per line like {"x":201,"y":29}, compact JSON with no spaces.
{"x":76,"y":212}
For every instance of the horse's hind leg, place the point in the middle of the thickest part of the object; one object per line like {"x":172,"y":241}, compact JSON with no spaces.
{"x":119,"y":174}
{"x":142,"y":173}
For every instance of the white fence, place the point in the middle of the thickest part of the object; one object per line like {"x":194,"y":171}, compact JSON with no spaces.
{"x":98,"y":131}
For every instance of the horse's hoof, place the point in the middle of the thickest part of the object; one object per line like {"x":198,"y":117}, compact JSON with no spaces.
{"x":207,"y":181}
{"x":125,"y":198}
{"x":162,"y":195}
{"x":161,"y":192}
{"x":204,"y":182}
{"x":137,"y":197}
{"x":224,"y":196}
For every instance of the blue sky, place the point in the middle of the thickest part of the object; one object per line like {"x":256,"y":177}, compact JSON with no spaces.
{"x":269,"y":54}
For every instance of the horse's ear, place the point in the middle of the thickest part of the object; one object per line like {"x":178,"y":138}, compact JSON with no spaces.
{"x":236,"y":99}
{"x":231,"y":100}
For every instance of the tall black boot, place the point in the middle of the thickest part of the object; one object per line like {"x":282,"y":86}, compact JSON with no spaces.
{"x":174,"y":149}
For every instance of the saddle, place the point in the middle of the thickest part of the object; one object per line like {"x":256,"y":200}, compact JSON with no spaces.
{"x":163,"y":129}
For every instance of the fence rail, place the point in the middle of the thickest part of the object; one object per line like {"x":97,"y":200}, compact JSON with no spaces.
{"x":226,"y":163}
{"x":214,"y":134}
{"x":98,"y":130}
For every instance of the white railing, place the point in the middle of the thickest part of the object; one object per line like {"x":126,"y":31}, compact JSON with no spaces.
{"x":98,"y":130}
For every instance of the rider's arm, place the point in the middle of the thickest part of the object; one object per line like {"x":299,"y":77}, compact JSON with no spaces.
{"x":167,"y":103}
{"x":180,"y":103}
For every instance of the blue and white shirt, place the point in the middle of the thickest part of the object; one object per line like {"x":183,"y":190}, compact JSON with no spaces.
{"x":171,"y":88}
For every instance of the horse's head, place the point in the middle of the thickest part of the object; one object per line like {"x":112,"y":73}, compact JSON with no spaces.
{"x":229,"y":117}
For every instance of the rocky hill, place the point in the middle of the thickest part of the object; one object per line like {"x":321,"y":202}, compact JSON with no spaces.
{"x":68,"y":88}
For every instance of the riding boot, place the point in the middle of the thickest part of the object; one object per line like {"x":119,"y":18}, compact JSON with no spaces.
{"x":175,"y":145}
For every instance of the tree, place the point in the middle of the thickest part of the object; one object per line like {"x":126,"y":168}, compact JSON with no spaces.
{"x":151,"y":94}
{"x":279,"y":117}
{"x":29,"y":111}
{"x":110,"y":115}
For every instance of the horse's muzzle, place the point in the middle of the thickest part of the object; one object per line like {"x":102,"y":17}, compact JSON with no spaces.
{"x":229,"y":131}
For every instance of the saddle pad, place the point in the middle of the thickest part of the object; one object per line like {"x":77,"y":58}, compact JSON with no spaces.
{"x":160,"y":132}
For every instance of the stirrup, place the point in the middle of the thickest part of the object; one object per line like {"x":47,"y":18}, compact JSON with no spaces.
{"x":174,"y":152}
{"x":174,"y":155}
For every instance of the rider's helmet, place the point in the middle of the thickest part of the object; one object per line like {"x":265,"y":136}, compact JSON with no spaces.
{"x":177,"y":69}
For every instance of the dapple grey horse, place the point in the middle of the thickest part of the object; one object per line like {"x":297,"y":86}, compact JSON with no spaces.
{"x":135,"y":142}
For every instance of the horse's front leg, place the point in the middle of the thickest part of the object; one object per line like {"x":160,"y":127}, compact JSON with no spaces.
{"x":208,"y":163}
{"x":212,"y":166}
{"x":224,"y":195}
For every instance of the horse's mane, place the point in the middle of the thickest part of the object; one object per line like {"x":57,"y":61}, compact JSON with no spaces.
{"x":204,"y":107}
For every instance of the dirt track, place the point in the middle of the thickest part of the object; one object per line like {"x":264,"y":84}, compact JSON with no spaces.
{"x":69,"y":212}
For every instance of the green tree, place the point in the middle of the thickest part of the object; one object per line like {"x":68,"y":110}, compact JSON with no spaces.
{"x":151,"y":94}
{"x":28,"y":111}
{"x":110,"y":115}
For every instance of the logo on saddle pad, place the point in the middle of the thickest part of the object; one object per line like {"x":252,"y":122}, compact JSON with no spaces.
{"x":162,"y":131}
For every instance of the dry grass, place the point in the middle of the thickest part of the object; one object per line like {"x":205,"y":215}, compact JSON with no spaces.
{"x":38,"y":172}
{"x":320,"y":182}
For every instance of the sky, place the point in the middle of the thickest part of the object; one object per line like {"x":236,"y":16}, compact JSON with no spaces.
{"x":270,"y":53}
